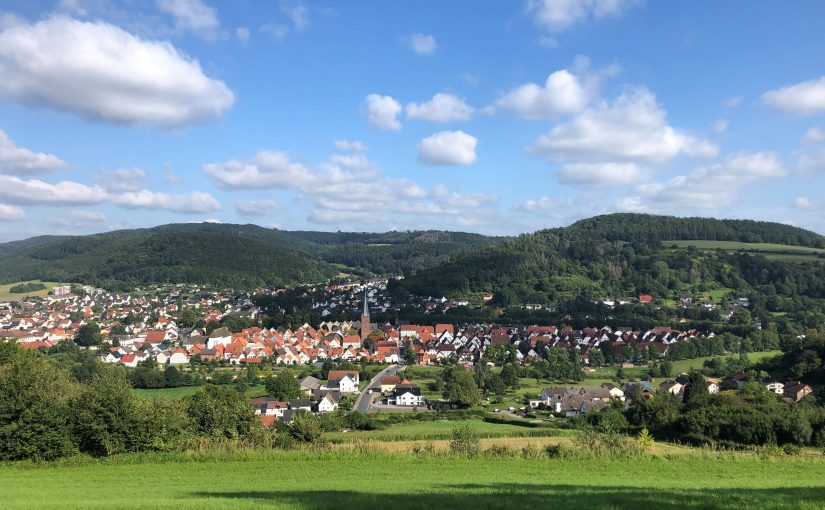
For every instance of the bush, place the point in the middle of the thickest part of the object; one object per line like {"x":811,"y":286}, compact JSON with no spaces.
{"x":465,"y":442}
{"x":423,"y":450}
{"x":497,"y":450}
{"x":305,"y":427}
{"x":792,"y":449}
{"x":530,"y":452}
{"x":555,"y":451}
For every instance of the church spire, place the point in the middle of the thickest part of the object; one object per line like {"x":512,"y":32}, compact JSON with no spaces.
{"x":366,"y":307}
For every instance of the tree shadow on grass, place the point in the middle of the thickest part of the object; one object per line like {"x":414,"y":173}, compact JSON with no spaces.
{"x":519,"y":496}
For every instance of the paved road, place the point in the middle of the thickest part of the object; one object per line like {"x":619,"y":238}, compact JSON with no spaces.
{"x":364,"y":401}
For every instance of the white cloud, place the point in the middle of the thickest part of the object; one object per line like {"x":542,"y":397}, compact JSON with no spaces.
{"x":20,"y":161}
{"x":805,"y":98}
{"x":123,"y":179}
{"x":600,"y":174}
{"x":423,"y":44}
{"x":191,"y":15}
{"x":562,"y":94}
{"x":448,"y":148}
{"x":712,"y":186}
{"x":103,"y":72}
{"x":558,"y":15}
{"x":267,"y":170}
{"x":36,"y":192}
{"x":255,"y":207}
{"x":242,"y":34}
{"x":542,"y":205}
{"x":276,"y":30}
{"x":721,"y":125}
{"x":804,"y":203}
{"x":442,"y":108}
{"x":11,"y":213}
{"x":634,"y":128}
{"x":196,"y":202}
{"x":351,"y":145}
{"x":297,"y":13}
{"x":382,"y":112}
{"x":813,"y":135}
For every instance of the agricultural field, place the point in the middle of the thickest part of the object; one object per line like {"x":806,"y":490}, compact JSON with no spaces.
{"x":185,"y":391}
{"x":359,"y":478}
{"x":7,"y":295}
{"x":771,"y":251}
{"x":441,"y":430}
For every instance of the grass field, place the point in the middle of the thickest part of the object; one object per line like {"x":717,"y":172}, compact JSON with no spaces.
{"x":361,"y":479}
{"x":769,"y":250}
{"x":185,"y":391}
{"x":7,"y":295}
{"x":427,"y":430}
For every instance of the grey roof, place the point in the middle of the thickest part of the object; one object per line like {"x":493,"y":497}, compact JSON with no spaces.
{"x":310,"y":383}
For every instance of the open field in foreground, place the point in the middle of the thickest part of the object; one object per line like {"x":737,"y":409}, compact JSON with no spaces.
{"x":362,"y":480}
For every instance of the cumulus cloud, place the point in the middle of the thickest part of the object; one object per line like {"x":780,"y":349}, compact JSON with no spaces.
{"x":103,"y":72}
{"x":803,"y":203}
{"x":196,"y":202}
{"x":442,"y":108}
{"x":422,"y":44}
{"x":351,"y":146}
{"x":192,"y":15}
{"x":347,"y":190}
{"x":21,"y":161}
{"x":36,"y":192}
{"x":297,"y":13}
{"x":562,"y":94}
{"x":382,"y":112}
{"x":11,"y":213}
{"x":813,"y":135}
{"x":600,"y":174}
{"x":559,"y":15}
{"x":805,"y":98}
{"x":634,"y":128}
{"x":448,"y":148}
{"x":712,"y":186}
{"x":123,"y":179}
{"x":255,"y":207}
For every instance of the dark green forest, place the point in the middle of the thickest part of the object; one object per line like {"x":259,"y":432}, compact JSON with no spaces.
{"x":239,"y":256}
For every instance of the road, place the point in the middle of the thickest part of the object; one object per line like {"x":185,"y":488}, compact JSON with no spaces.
{"x":364,"y":401}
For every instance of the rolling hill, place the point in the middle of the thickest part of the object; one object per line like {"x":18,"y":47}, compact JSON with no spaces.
{"x":240,"y":256}
{"x":624,"y":255}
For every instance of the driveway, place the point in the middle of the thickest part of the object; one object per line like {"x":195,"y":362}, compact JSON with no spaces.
{"x":363,"y":403}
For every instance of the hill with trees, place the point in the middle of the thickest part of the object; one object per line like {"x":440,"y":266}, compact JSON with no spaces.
{"x":240,"y":256}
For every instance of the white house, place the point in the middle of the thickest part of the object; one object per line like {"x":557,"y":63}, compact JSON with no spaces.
{"x":406,"y":395}
{"x":328,"y":404}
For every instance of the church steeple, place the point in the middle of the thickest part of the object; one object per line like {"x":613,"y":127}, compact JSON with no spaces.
{"x":365,"y":318}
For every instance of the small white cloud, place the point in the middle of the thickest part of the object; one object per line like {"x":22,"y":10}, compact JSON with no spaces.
{"x":11,"y":213}
{"x":805,"y":98}
{"x":255,"y":207}
{"x":813,"y":135}
{"x":297,"y":13}
{"x":600,"y":174}
{"x":721,"y":125}
{"x":548,"y":41}
{"x":242,"y":34}
{"x":103,"y":72}
{"x":351,"y":146}
{"x":448,"y":148}
{"x":191,"y":15}
{"x":423,"y":44}
{"x":559,"y":15}
{"x":79,"y":219}
{"x":442,"y":108}
{"x":20,"y":161}
{"x":382,"y":112}
{"x":276,"y":30}
{"x":196,"y":202}
{"x":36,"y":192}
{"x":803,"y":203}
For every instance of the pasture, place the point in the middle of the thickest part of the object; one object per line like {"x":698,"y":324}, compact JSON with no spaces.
{"x":360,"y":478}
{"x":7,"y":295}
{"x":771,"y":251}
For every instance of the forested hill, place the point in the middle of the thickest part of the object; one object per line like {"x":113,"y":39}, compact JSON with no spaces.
{"x":240,"y":256}
{"x":623,"y":255}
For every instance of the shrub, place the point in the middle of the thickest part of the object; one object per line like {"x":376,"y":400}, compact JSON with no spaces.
{"x":792,"y":449}
{"x":530,"y":452}
{"x":644,"y":440}
{"x":305,"y":427}
{"x":498,"y":450}
{"x":464,"y":442}
{"x":555,"y":451}
{"x":423,"y":450}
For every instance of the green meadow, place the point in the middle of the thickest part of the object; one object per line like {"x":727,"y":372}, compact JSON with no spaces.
{"x":339,"y":480}
{"x":785,"y":252}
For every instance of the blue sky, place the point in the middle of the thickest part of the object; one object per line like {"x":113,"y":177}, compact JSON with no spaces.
{"x":492,"y":117}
